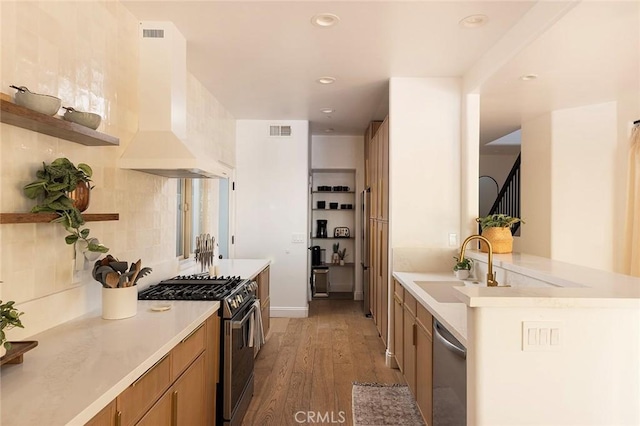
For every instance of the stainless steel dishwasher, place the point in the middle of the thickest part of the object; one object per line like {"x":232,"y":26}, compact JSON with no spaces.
{"x":449,"y":378}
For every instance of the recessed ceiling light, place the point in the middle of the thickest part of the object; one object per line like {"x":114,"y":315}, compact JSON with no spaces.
{"x":329,"y":130}
{"x":325,"y":20}
{"x":474,"y":21}
{"x":528,"y":77}
{"x":326,"y":80}
{"x":327,"y":110}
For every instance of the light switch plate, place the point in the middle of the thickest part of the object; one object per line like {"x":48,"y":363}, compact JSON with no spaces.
{"x":541,"y":336}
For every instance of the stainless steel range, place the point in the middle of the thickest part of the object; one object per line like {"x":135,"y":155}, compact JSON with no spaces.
{"x":237,"y":297}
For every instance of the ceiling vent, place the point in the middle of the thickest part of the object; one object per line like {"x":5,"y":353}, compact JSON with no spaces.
{"x":149,"y":33}
{"x":279,"y":130}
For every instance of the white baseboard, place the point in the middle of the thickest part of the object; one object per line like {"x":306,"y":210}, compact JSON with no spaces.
{"x":390,"y":359}
{"x":288,"y":312}
{"x":358,"y":295}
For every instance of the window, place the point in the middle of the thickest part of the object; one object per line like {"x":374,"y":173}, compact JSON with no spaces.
{"x":189,"y":218}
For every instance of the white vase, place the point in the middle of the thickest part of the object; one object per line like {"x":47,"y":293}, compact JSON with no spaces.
{"x":341,"y":262}
{"x":462,"y":274}
{"x":119,"y":303}
{"x":3,"y":351}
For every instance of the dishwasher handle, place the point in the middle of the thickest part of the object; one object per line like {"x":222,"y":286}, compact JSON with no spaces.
{"x":460,"y":351}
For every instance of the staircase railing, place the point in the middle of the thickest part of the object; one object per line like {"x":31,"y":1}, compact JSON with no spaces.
{"x":508,"y":200}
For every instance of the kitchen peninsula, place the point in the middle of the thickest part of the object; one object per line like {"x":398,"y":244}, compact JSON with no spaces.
{"x":587,"y":372}
{"x":89,"y":364}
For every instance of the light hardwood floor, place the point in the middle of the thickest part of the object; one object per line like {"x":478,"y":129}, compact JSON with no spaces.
{"x":306,"y":368}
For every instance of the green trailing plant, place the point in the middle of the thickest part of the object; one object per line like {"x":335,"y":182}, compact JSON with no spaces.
{"x":55,"y":182}
{"x":498,"y":221}
{"x":465,"y":264}
{"x":9,"y":318}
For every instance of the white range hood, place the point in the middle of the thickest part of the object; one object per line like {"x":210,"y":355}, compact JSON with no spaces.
{"x":160,"y":147}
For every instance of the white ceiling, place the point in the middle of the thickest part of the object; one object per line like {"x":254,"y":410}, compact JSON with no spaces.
{"x":261,"y":59}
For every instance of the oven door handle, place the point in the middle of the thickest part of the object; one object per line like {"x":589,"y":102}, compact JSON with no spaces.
{"x":240,"y":324}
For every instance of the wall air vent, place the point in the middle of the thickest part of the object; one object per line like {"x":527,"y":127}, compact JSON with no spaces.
{"x":279,"y":130}
{"x":152,"y":33}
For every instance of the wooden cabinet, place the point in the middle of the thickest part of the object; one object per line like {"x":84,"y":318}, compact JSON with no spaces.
{"x":180,"y":389}
{"x":265,"y":299}
{"x":106,"y":417}
{"x":414,"y":349}
{"x":377,"y":180}
{"x":424,"y":364}
{"x":398,"y":324}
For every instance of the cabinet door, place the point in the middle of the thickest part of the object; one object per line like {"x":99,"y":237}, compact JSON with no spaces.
{"x":212,"y":365}
{"x":373,"y":211}
{"x":265,"y":312}
{"x":106,"y":417}
{"x":372,"y":268}
{"x":424,"y":366}
{"x":161,"y":413}
{"x":383,"y":165}
{"x":409,"y":349}
{"x":384,"y":279}
{"x":189,"y":406}
{"x":398,"y":330}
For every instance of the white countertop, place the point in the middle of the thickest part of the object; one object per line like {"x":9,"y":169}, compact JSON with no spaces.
{"x":452,"y":315}
{"x":566,"y":285}
{"x":82,"y":365}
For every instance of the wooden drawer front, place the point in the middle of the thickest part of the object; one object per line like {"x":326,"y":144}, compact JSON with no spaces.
{"x":160,"y":414}
{"x":263,"y":284}
{"x":134,"y":401}
{"x":106,"y":417}
{"x":410,"y":302}
{"x":398,"y":290}
{"x":425,"y":320}
{"x":266,"y":312}
{"x":187,"y":350}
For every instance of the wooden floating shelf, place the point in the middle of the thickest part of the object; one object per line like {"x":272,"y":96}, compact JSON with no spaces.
{"x":48,"y":217}
{"x":19,"y":116}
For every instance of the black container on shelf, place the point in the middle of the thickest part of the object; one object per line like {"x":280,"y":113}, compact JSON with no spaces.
{"x":324,"y":188}
{"x":321,"y":231}
{"x":333,"y":206}
{"x":343,"y":206}
{"x":337,"y":188}
{"x":322,"y":204}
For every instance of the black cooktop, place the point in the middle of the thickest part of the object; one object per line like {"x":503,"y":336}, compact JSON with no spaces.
{"x":192,"y":287}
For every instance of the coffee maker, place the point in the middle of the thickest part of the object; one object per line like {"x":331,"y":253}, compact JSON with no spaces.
{"x":321,"y":230}
{"x":316,"y":255}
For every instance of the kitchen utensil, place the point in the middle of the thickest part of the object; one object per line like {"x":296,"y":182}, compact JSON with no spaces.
{"x":44,"y":104}
{"x":119,"y":266}
{"x":112,"y":279}
{"x":137,"y":266}
{"x":321,"y":229}
{"x":86,"y":119}
{"x":144,"y":271}
{"x":124,"y":278}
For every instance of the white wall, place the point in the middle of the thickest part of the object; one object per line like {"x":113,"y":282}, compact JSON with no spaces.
{"x":95,"y":69}
{"x":424,"y":162}
{"x":570,"y":165}
{"x":271,"y":206}
{"x":344,"y":152}
{"x":592,"y":379}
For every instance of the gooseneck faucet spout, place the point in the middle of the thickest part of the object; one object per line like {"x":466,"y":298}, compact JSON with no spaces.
{"x":491,"y":278}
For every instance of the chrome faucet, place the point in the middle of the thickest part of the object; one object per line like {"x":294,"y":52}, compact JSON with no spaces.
{"x":491,"y":277}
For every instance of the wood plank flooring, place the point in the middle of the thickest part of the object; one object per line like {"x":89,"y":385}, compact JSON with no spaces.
{"x":305,"y":370}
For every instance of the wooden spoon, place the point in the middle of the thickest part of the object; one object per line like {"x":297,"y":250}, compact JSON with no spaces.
{"x":132,"y":280}
{"x":112,"y":279}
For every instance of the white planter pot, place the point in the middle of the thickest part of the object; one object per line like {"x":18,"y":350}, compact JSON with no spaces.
{"x":119,"y":303}
{"x":3,"y":351}
{"x":462,"y":274}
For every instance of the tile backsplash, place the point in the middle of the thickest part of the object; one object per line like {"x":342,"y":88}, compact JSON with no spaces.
{"x":86,"y":53}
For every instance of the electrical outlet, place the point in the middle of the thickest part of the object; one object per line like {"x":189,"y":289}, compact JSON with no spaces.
{"x":453,"y":240}
{"x":541,"y":335}
{"x":297,"y":238}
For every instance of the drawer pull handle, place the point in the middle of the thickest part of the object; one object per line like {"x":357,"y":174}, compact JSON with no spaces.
{"x":174,"y":408}
{"x":149,"y":370}
{"x":190,"y":334}
{"x":119,"y":418}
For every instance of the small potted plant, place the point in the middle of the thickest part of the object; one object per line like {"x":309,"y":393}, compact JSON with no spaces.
{"x":497,"y":229}
{"x":64,"y":189}
{"x":342,"y":254}
{"x":462,"y":268}
{"x":335,"y":257}
{"x":9,"y":318}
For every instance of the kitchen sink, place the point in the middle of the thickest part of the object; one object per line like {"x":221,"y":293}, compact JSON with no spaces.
{"x":441,"y":291}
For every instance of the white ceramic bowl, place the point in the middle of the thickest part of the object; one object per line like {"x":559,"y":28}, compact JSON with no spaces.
{"x":44,"y":104}
{"x":87,"y":119}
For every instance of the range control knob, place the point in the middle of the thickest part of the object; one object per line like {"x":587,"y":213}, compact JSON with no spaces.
{"x":233,"y":303}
